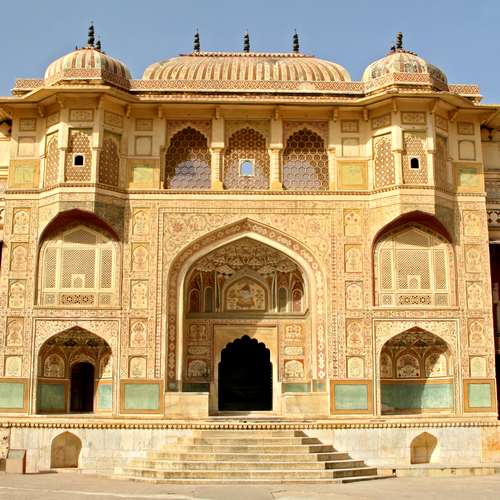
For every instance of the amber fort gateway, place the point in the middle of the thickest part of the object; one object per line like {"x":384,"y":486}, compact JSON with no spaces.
{"x":248,"y":241}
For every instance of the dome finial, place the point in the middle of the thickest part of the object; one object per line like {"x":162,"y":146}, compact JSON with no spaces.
{"x":98,"y":46}
{"x":91,"y":37}
{"x":196,"y":42}
{"x":296,"y":46}
{"x":399,"y":41}
{"x":246,"y":42}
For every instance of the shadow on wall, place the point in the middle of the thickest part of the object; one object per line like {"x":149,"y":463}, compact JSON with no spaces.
{"x":65,"y":451}
{"x":423,"y":449}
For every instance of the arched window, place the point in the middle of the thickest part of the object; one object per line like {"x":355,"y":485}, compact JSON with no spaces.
{"x":413,"y":267}
{"x":305,"y":162}
{"x":246,"y":161}
{"x":51,"y":160}
{"x":78,"y":156}
{"x":78,"y":268}
{"x":187,"y":162}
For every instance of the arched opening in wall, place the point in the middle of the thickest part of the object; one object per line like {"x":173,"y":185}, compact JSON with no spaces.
{"x":244,"y":287}
{"x":82,"y":387}
{"x":423,"y":449}
{"x":495,"y":288}
{"x":305,"y":162}
{"x":75,"y":370}
{"x":413,"y":267}
{"x":77,"y":263}
{"x":416,"y":374}
{"x":187,"y":161}
{"x":65,"y":451}
{"x":245,"y":376}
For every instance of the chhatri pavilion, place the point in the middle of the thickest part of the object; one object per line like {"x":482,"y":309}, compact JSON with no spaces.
{"x":246,"y":240}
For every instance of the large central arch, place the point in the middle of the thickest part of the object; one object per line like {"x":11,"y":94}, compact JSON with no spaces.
{"x":314,"y":283}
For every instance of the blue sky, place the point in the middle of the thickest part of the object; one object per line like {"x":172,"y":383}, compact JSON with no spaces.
{"x":461,"y":37}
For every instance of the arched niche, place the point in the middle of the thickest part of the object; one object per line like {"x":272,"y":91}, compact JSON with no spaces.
{"x":416,"y":374}
{"x":245,"y":278}
{"x":187,"y":161}
{"x":413,"y":266}
{"x":77,"y":265}
{"x":423,"y":449}
{"x":74,"y":373}
{"x":65,"y":451}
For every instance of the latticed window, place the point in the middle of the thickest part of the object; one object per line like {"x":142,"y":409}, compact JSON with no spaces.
{"x":51,"y":161}
{"x":109,"y":160}
{"x":78,"y":268}
{"x":305,"y":162}
{"x":243,"y":144}
{"x":187,"y":162}
{"x":383,"y":160}
{"x":413,"y":269}
{"x":78,"y":156}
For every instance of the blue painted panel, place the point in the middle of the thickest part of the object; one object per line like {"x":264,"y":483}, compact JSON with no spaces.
{"x":416,"y":396}
{"x":351,"y":396}
{"x":142,"y":396}
{"x":51,"y":397}
{"x":105,"y":397}
{"x":479,"y":396}
{"x":11,"y":395}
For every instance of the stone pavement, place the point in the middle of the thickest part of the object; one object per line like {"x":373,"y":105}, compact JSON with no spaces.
{"x":74,"y":486}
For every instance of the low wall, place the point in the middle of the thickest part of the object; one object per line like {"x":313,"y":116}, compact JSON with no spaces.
{"x":106,"y":446}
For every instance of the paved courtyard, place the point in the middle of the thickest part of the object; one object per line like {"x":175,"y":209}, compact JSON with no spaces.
{"x":79,"y":487}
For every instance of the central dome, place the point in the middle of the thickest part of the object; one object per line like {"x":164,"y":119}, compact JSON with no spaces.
{"x":260,"y":68}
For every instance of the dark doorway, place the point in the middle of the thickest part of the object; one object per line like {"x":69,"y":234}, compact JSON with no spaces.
{"x":82,"y":387}
{"x":245,"y":376}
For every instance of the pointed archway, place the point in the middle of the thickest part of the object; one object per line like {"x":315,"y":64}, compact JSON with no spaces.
{"x":245,"y":376}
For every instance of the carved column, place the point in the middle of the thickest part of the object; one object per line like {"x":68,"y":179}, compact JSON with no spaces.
{"x":63,"y":142}
{"x":275,"y":149}
{"x":333,"y":150}
{"x":216,"y":149}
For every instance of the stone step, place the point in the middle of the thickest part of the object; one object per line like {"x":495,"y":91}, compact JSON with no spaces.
{"x":248,"y":474}
{"x":167,"y":465}
{"x":252,"y":481}
{"x":256,"y":440}
{"x":230,"y":433}
{"x":250,"y":457}
{"x":235,"y":448}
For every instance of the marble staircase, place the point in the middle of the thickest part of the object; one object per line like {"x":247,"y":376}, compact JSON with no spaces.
{"x":253,"y":456}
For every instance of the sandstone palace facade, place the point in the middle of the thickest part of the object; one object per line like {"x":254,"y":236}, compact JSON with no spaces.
{"x":249,"y":237}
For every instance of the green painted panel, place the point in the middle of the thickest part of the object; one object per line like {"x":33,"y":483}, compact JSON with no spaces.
{"x":351,"y":396}
{"x":11,"y":395}
{"x":290,"y":387}
{"x":479,"y":396}
{"x":105,"y":397}
{"x":51,"y":397}
{"x":142,"y":396}
{"x":416,"y":396}
{"x":195,"y":387}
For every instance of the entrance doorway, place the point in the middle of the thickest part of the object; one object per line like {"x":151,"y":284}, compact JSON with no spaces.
{"x":82,"y":387}
{"x":245,"y":376}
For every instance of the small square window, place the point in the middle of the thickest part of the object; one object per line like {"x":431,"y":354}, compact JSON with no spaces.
{"x":414,"y":163}
{"x":78,"y":160}
{"x":247,"y":168}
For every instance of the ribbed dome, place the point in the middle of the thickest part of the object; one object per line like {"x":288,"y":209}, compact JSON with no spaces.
{"x":247,"y":67}
{"x":88,"y":63}
{"x":402,"y":61}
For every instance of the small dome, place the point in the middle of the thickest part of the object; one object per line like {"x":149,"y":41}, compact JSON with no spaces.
{"x":236,"y":70}
{"x":405,"y":65}
{"x":88,"y":63}
{"x":402,"y":62}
